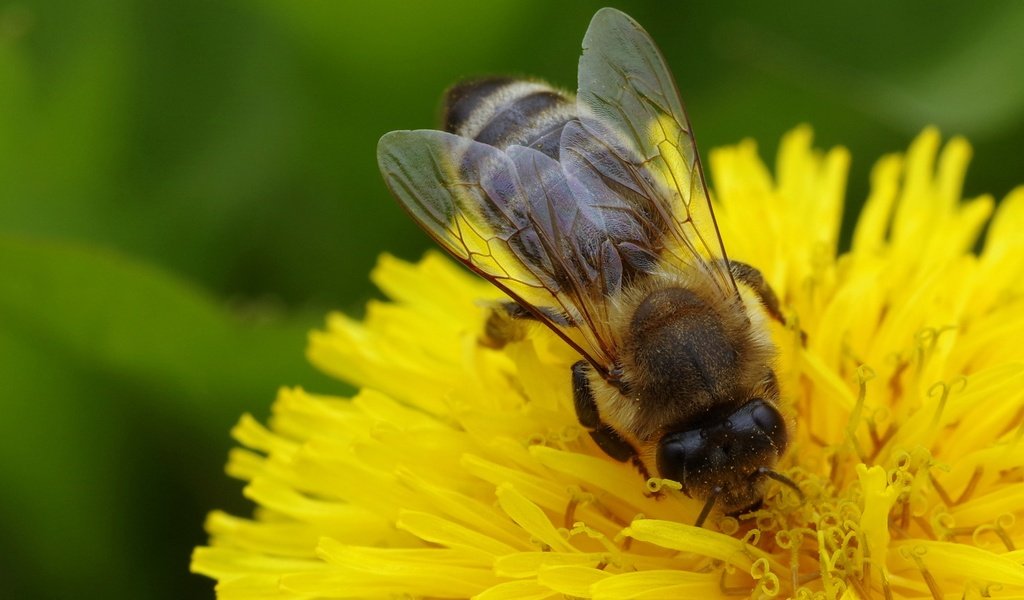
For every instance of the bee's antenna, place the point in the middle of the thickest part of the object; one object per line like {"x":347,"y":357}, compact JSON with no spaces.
{"x":766,"y":472}
{"x":704,"y":512}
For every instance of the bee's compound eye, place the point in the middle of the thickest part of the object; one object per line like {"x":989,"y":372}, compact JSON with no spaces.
{"x":763,"y":423}
{"x":719,"y":454}
{"x":681,"y":455}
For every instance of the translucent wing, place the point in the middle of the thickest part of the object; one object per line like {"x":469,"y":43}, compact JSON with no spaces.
{"x":517,"y":219}
{"x":634,"y":139}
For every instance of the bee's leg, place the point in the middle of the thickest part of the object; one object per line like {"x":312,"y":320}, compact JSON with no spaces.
{"x":502,"y":327}
{"x":753,"y":278}
{"x":603,"y":434}
{"x":514,"y":310}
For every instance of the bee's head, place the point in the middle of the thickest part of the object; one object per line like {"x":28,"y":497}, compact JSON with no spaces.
{"x":724,"y":458}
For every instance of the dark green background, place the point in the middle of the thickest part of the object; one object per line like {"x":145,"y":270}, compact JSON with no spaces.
{"x":187,"y":187}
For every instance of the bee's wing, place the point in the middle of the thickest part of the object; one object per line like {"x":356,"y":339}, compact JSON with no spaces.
{"x":634,"y":139}
{"x":516,"y":219}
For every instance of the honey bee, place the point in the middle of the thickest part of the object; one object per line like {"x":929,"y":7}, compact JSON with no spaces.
{"x":592,"y":214}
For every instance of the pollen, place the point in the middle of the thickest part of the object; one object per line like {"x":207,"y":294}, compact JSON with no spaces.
{"x":459,"y":469}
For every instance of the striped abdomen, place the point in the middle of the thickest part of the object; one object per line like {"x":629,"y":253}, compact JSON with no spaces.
{"x":502,"y":112}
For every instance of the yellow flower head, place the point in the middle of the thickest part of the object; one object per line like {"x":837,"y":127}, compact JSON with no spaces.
{"x":460,"y":470}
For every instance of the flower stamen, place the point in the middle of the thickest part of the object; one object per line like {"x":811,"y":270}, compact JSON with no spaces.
{"x":917,"y":554}
{"x":944,"y":389}
{"x":999,"y":527}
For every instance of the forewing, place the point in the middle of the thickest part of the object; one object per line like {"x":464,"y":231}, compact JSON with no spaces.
{"x":635,"y":136}
{"x":513,"y":217}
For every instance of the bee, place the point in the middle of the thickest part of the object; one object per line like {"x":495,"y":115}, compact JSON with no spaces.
{"x":591,"y":212}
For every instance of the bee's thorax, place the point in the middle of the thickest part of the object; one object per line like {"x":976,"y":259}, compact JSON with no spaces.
{"x":688,"y":354}
{"x":683,"y":344}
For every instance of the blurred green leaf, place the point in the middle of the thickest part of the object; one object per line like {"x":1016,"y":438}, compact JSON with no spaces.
{"x":134,"y":322}
{"x":970,"y":83}
{"x":58,"y":448}
{"x":121,"y":383}
{"x":977,"y":89}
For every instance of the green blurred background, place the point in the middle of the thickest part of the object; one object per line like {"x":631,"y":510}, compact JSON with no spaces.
{"x":187,"y":187}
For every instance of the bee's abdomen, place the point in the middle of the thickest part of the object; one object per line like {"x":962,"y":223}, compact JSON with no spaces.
{"x":502,"y":112}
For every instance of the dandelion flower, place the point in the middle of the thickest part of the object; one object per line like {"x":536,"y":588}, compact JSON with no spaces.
{"x":460,"y":471}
